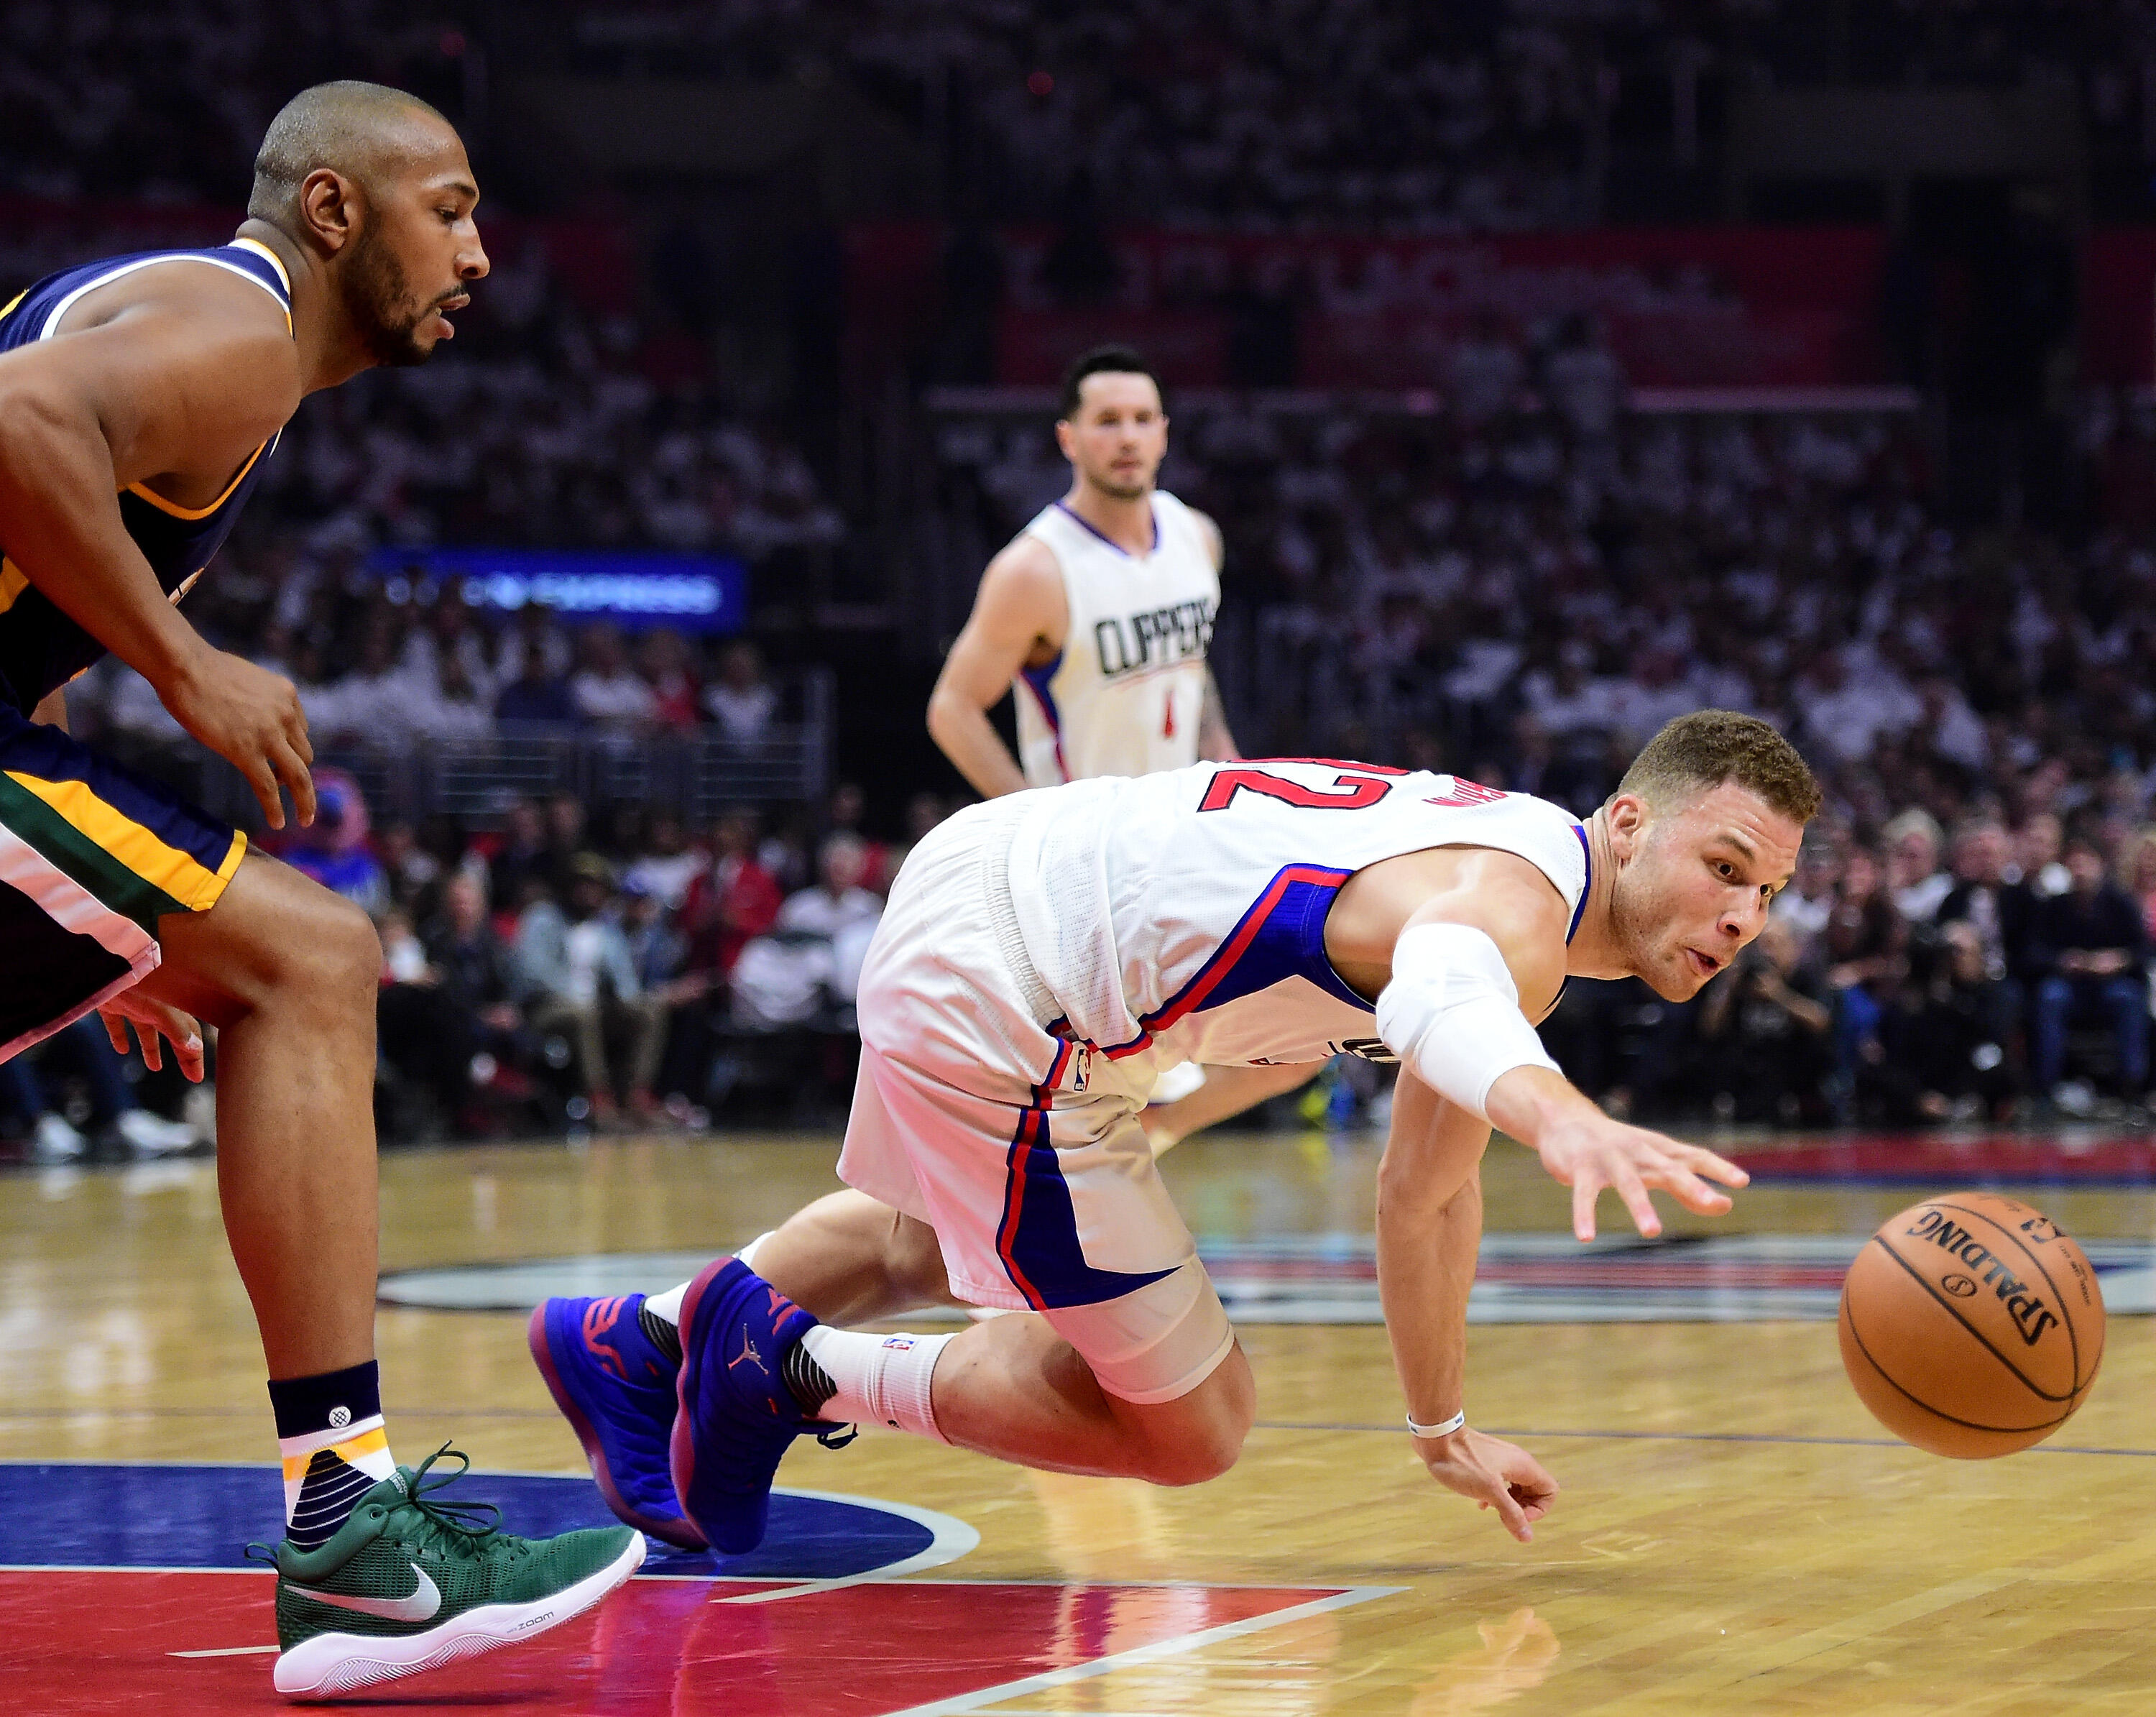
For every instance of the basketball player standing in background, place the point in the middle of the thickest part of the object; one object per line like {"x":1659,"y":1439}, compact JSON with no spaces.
{"x":1097,"y":615}
{"x":1096,"y":618}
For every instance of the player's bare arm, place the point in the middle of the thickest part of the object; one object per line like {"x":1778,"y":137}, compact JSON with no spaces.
{"x":1464,"y":948}
{"x":1020,"y":617}
{"x":1215,"y":742}
{"x":77,"y":424}
{"x":1226,"y":1093}
{"x":1430,"y":1224}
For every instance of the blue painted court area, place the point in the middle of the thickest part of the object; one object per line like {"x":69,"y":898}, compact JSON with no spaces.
{"x":74,"y":1515}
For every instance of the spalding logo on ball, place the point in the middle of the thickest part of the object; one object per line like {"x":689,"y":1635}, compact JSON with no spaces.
{"x":1971,"y":1325}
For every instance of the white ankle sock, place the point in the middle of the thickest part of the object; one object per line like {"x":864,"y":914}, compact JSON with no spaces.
{"x":882,"y":1380}
{"x":668,"y":1305}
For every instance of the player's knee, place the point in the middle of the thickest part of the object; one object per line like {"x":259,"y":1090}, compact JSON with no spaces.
{"x":335,"y":955}
{"x":1200,"y":1448}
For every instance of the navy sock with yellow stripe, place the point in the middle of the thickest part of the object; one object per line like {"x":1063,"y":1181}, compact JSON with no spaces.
{"x":335,"y":1447}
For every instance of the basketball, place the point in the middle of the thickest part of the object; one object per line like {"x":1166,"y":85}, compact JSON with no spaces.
{"x":1971,"y":1325}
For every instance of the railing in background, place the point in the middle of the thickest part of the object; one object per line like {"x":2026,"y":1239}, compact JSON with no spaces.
{"x":699,"y":772}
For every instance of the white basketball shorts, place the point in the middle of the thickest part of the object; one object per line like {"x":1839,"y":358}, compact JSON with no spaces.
{"x":1025,"y":1154}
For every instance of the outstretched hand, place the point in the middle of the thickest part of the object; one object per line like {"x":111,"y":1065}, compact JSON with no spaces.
{"x":1496,"y":1473}
{"x":1590,"y":1151}
{"x":154,"y":1020}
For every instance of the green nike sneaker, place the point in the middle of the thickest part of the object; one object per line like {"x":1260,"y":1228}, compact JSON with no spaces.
{"x":409,"y":1583}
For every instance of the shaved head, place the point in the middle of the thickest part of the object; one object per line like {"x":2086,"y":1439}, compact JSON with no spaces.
{"x":372,"y":188}
{"x":358,"y":130}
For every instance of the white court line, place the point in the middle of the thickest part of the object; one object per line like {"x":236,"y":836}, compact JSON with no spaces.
{"x":1145,"y":1654}
{"x":949,"y":1538}
{"x":227,"y":1652}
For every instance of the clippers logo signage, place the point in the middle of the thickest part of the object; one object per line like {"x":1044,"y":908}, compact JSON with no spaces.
{"x":1155,"y":638}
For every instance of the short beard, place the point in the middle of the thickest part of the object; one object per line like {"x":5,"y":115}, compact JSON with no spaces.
{"x":1123,"y":491}
{"x":377,"y":294}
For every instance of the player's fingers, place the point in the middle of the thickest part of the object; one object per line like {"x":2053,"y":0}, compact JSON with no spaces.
{"x":153,"y":1045}
{"x":116,"y":1028}
{"x":1509,"y":1511}
{"x":1704,"y":1162}
{"x":1634,"y":1191}
{"x":263,"y":779}
{"x":295,"y":775}
{"x":1689,"y":1191}
{"x":1585,"y":1187}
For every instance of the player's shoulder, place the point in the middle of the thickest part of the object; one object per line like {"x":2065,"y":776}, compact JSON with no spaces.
{"x":1026,"y":561}
{"x":1198,"y":527}
{"x":1024,"y":583}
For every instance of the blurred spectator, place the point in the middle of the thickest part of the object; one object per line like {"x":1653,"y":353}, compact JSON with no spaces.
{"x":1996,"y":911}
{"x":1863,"y":945}
{"x":732,"y":898}
{"x":334,"y":851}
{"x":577,"y":977}
{"x":523,"y":858}
{"x":115,"y":1116}
{"x":837,"y":905}
{"x":740,"y":700}
{"x":2036,"y":861}
{"x":2088,"y":951}
{"x":667,"y":863}
{"x":411,"y":869}
{"x":669,"y":669}
{"x":534,"y":627}
{"x":2141,"y":877}
{"x":608,"y":692}
{"x":1771,"y":1025}
{"x":1913,"y":875}
{"x":534,"y":693}
{"x":1946,"y":1056}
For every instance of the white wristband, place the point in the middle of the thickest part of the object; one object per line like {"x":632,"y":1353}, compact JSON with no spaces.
{"x":1458,"y":1421}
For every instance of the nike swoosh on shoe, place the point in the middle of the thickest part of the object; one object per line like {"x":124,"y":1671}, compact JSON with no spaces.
{"x":420,"y":1604}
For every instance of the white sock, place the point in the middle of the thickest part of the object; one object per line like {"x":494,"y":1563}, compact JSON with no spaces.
{"x":882,"y":1380}
{"x":668,"y":1305}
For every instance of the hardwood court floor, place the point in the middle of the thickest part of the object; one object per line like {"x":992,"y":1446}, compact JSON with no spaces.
{"x":1734,"y":1535}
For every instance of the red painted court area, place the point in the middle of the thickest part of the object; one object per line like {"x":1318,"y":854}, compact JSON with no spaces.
{"x":82,"y":1642}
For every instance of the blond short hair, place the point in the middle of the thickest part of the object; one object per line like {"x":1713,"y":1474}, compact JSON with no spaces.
{"x":1695,"y":753}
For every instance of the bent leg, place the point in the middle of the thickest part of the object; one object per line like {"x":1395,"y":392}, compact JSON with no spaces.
{"x":1018,"y":1389}
{"x":287,"y":971}
{"x":848,"y":1259}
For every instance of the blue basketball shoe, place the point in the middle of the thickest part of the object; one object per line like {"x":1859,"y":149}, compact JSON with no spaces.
{"x":737,"y":1416}
{"x":617,"y":1390}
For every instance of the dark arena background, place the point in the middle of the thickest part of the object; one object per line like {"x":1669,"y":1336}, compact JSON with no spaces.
{"x":1552,"y":368}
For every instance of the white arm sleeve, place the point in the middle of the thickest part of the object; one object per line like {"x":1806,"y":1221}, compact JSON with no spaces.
{"x":1452,"y":1014}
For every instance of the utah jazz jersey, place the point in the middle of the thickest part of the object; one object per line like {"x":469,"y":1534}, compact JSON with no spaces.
{"x":40,"y":647}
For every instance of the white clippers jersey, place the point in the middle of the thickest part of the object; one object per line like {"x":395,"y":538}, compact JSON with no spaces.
{"x":1182,"y":915}
{"x":1124,"y":697}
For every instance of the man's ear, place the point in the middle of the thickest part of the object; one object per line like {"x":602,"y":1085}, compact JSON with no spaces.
{"x":330,"y":209}
{"x":1626,"y":816}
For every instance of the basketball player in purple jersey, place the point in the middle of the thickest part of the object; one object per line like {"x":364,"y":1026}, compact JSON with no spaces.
{"x":140,"y":398}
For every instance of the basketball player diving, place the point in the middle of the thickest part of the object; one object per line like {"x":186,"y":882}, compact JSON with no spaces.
{"x":1040,"y":956}
{"x":1096,"y":618}
{"x":140,"y":398}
